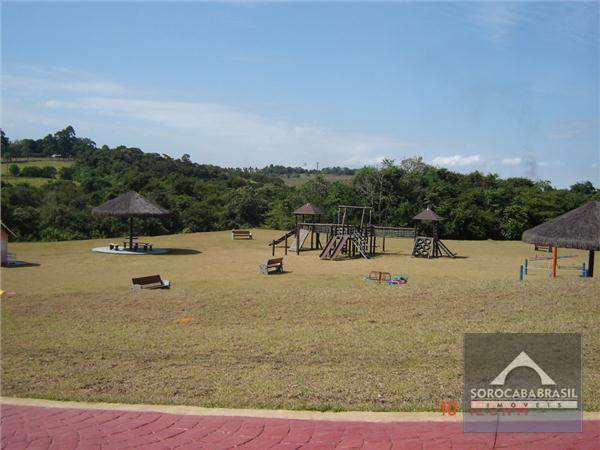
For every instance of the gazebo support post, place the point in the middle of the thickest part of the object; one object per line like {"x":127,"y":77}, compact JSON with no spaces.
{"x":131,"y":233}
{"x":554,"y":258}
{"x":590,"y":271}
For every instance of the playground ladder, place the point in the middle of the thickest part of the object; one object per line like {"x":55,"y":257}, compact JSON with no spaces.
{"x":359,"y":242}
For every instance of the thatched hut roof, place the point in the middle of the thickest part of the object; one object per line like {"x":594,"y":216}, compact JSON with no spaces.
{"x":130,"y":204}
{"x":579,"y":228}
{"x":308,"y":209}
{"x":428,"y":214}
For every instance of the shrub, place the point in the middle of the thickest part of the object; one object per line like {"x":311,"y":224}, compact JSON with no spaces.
{"x":14,"y":170}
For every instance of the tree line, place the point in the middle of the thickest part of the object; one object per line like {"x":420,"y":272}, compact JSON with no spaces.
{"x":204,"y":197}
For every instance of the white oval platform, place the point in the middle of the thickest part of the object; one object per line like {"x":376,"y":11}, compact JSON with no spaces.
{"x":154,"y":251}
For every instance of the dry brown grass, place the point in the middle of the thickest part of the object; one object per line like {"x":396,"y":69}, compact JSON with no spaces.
{"x":317,"y":336}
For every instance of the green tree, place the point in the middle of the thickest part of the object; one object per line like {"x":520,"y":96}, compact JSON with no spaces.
{"x":5,"y":148}
{"x":514,"y":221}
{"x":14,"y":170}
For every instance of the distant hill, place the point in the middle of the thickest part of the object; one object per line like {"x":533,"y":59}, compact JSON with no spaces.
{"x":52,"y":198}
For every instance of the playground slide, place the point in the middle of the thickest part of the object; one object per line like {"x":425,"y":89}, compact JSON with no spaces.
{"x":282,"y":238}
{"x":303,"y":235}
{"x":334,"y":247}
{"x":340,"y":247}
{"x":325,"y":254}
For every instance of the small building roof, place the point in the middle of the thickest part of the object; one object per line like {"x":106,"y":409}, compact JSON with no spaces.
{"x":308,"y":209}
{"x":428,"y":214}
{"x":6,"y":229}
{"x":578,"y":228}
{"x":130,"y":204}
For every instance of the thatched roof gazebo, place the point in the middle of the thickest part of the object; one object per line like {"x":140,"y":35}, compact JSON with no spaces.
{"x":578,"y":228}
{"x":308,"y":209}
{"x":428,"y":214}
{"x":130,"y":205}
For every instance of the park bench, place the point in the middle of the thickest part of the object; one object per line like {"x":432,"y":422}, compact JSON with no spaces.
{"x":273,"y":263}
{"x":146,"y":246}
{"x":150,"y":282}
{"x":542,"y":248}
{"x":241,"y":234}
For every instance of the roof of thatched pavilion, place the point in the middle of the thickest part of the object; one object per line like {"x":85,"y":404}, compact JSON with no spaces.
{"x":428,"y":214}
{"x":578,"y":228}
{"x":130,"y":204}
{"x":308,"y":209}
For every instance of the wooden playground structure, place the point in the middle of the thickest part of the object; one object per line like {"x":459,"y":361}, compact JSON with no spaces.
{"x":354,"y":234}
{"x":430,"y":246}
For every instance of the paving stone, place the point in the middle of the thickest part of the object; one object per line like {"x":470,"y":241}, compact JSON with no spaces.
{"x":71,"y":429}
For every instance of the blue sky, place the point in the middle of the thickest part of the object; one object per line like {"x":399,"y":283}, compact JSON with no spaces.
{"x":511,"y":88}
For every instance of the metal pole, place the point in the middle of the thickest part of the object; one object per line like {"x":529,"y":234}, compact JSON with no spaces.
{"x":521,"y":273}
{"x":131,"y":233}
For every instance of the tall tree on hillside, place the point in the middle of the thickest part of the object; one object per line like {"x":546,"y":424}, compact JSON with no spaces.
{"x":5,"y":146}
{"x":65,"y":140}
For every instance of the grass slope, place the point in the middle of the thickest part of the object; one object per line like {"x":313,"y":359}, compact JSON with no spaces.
{"x":32,"y":162}
{"x":303,"y":178}
{"x":316,"y":337}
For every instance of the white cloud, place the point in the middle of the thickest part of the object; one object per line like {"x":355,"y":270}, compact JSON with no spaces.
{"x":498,"y":20}
{"x":210,"y":132}
{"x":31,"y":79}
{"x":457,"y":160}
{"x":573,"y":129}
{"x":225,"y":133}
{"x":511,"y":161}
{"x":554,"y":163}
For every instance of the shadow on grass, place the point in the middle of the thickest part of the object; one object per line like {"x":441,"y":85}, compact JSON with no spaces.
{"x":180,"y":252}
{"x":284,"y":272}
{"x":19,"y":264}
{"x":379,"y":255}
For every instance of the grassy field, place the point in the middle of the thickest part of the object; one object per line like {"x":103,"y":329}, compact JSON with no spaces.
{"x":32,"y":162}
{"x":301,"y":179}
{"x":315,"y":337}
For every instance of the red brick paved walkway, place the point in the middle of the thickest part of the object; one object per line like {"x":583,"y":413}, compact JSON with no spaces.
{"x":34,"y":427}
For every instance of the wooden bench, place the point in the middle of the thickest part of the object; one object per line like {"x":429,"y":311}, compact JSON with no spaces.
{"x":241,"y":234}
{"x":146,"y":246}
{"x":542,"y":248}
{"x":150,"y":282}
{"x":273,"y":263}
